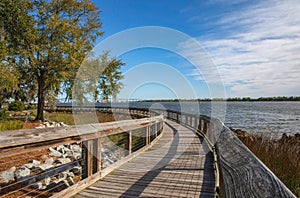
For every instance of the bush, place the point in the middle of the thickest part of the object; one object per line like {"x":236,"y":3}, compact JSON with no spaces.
{"x":16,"y":106}
{"x":3,"y":115}
{"x":30,"y":107}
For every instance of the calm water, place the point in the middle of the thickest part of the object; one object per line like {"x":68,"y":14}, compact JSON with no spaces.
{"x":271,"y":117}
{"x":254,"y":117}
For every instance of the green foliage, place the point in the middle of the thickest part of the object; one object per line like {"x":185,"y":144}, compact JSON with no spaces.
{"x":30,"y":107}
{"x":11,"y":125}
{"x":98,"y":77}
{"x":47,"y":41}
{"x":3,"y":115}
{"x":16,"y":106}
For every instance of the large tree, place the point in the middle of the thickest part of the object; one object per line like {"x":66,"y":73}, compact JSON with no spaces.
{"x":50,"y":38}
{"x":98,"y":78}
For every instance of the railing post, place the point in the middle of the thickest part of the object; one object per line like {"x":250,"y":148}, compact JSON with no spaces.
{"x":129,"y":146}
{"x":155,"y":128}
{"x":147,"y":135}
{"x":88,"y":158}
{"x":200,"y":124}
{"x":205,"y":127}
{"x":99,"y":146}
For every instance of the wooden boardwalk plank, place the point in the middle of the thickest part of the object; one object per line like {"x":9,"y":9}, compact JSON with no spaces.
{"x":176,"y":166}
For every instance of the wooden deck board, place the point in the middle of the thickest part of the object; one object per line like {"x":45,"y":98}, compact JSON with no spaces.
{"x":176,"y":166}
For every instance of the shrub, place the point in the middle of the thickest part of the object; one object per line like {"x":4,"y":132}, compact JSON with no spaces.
{"x":11,"y":125}
{"x":30,"y":107}
{"x":3,"y":115}
{"x":16,"y":106}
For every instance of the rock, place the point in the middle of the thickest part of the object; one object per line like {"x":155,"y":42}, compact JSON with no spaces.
{"x":12,"y":169}
{"x":69,"y":181}
{"x":62,"y":175}
{"x":34,"y":164}
{"x":62,"y":124}
{"x":41,"y":126}
{"x":7,"y":176}
{"x":70,"y":174}
{"x":60,"y":148}
{"x":44,"y":167}
{"x":76,"y":148}
{"x":49,"y":161}
{"x":47,"y":181}
{"x":54,"y":153}
{"x":22,"y":173}
{"x":63,"y":160}
{"x":77,"y":170}
{"x":38,"y":185}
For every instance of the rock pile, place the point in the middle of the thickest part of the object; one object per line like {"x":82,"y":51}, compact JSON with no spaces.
{"x":50,"y":172}
{"x":50,"y":125}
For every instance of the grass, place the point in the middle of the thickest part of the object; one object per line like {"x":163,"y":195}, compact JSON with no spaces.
{"x":86,"y":117}
{"x":280,"y":156}
{"x":11,"y":125}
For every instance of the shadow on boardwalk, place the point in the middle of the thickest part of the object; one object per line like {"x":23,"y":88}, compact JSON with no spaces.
{"x":176,"y":166}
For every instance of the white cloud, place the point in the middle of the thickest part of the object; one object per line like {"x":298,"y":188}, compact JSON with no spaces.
{"x":261,"y":56}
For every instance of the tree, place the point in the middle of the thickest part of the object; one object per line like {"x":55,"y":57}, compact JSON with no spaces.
{"x":98,"y":77}
{"x":50,"y":38}
{"x":8,"y":82}
{"x":8,"y":74}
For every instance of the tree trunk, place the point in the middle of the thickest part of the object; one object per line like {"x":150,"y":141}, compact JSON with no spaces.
{"x":41,"y":98}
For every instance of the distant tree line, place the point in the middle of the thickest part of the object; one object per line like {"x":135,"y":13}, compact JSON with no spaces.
{"x":238,"y":99}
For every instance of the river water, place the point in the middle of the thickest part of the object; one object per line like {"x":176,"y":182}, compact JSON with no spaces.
{"x":254,"y":117}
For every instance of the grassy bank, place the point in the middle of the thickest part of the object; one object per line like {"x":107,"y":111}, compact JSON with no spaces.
{"x":11,"y":125}
{"x":281,"y":156}
{"x":68,"y":118}
{"x":15,"y":120}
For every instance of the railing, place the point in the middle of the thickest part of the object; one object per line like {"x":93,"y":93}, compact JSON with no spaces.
{"x":239,"y":173}
{"x":60,"y":162}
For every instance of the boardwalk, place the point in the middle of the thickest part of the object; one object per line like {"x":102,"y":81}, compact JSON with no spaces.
{"x":178,"y":165}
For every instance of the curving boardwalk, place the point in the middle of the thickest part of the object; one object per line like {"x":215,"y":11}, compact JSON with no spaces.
{"x":178,"y":165}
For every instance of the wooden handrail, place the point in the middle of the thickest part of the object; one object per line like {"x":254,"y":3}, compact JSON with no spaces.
{"x":90,"y":137}
{"x":239,"y":172}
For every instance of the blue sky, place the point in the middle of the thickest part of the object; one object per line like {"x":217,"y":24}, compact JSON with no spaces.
{"x":253,"y":45}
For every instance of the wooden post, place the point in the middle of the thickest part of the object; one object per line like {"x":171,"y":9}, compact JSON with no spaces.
{"x":99,"y":146}
{"x":200,"y":124}
{"x":168,"y":114}
{"x":156,"y":128}
{"x":205,"y":127}
{"x":129,"y":146}
{"x":88,"y":158}
{"x":147,"y":135}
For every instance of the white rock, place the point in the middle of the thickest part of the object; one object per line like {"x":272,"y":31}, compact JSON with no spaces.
{"x":54,"y":152}
{"x":63,"y":160}
{"x":49,"y":161}
{"x":77,"y":170}
{"x":47,"y":181}
{"x":43,"y":167}
{"x":22,"y":173}
{"x":6,"y":177}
